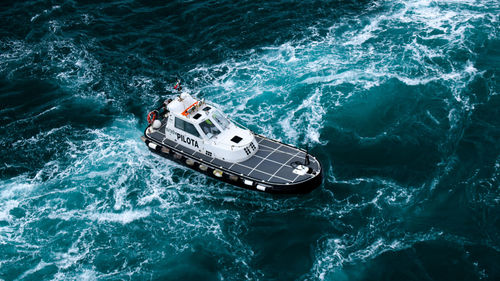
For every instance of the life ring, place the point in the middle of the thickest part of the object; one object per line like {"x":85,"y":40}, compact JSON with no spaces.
{"x":152,"y":116}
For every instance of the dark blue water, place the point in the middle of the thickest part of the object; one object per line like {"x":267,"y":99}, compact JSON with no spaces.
{"x":398,"y":99}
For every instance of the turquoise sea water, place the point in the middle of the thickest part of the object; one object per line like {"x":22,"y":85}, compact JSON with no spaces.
{"x":398,"y":99}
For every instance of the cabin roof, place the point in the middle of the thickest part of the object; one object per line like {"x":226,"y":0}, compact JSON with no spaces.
{"x":181,"y":103}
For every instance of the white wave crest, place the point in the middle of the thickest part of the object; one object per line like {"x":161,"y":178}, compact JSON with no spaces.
{"x":123,"y":217}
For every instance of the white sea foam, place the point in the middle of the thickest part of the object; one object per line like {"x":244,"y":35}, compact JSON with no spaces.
{"x":123,"y":217}
{"x":257,"y":90}
{"x":264,"y":74}
{"x":76,"y":68}
{"x":358,"y":56}
{"x":367,"y":65}
{"x":5,"y":208}
{"x":28,"y":272}
{"x":348,"y":249}
{"x":313,"y":117}
{"x":78,"y":251}
{"x":432,"y":117}
{"x":45,"y":12}
{"x":15,"y":188}
{"x":33,"y":140}
{"x":115,"y":159}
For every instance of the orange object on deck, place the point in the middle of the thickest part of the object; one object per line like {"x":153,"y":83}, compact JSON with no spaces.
{"x":186,"y":112}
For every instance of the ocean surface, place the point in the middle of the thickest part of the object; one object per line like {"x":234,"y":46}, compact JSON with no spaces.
{"x":399,"y":99}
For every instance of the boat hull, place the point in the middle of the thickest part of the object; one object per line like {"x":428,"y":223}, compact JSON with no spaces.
{"x":219,"y":171}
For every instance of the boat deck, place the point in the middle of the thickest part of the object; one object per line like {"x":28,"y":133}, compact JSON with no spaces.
{"x":270,"y":164}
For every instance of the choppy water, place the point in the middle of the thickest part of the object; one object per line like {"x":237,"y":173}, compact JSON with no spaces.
{"x":399,"y":100}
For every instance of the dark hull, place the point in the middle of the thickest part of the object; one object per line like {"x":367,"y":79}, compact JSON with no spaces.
{"x":202,"y":165}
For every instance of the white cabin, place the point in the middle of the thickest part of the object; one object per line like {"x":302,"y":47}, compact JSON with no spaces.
{"x":204,"y":128}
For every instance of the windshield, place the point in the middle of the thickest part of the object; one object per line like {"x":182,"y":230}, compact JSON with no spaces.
{"x":209,"y":128}
{"x":220,"y":119}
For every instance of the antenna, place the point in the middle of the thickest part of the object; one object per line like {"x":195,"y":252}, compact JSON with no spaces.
{"x":178,"y":86}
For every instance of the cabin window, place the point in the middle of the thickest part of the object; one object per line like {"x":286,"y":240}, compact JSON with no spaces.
{"x":219,"y":118}
{"x":209,"y":128}
{"x":186,"y":127}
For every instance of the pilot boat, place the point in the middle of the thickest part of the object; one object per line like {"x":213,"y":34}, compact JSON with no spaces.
{"x":198,"y":135}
